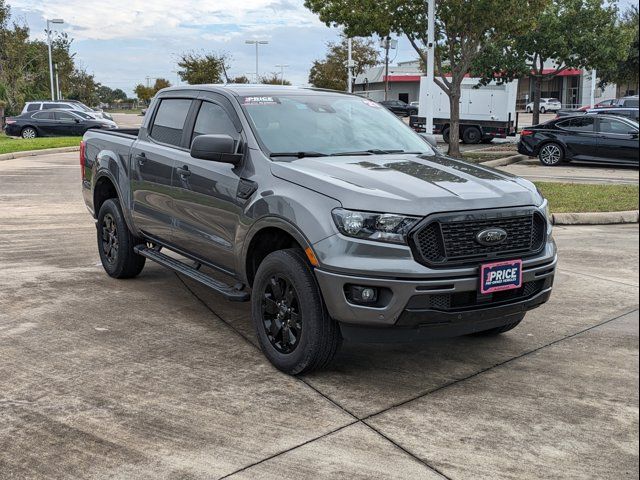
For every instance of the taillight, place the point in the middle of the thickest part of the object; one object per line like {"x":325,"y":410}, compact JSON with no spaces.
{"x":525,"y":133}
{"x":83,"y":149}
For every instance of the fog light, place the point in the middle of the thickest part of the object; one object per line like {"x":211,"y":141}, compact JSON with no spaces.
{"x":360,"y":294}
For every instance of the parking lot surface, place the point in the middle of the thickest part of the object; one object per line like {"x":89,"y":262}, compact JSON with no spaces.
{"x":533,"y":170}
{"x":157,"y":377}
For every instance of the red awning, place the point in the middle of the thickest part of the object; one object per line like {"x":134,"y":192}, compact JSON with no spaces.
{"x":401,"y":78}
{"x":569,"y":72}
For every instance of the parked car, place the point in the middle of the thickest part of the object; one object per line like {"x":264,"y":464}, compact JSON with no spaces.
{"x":605,"y":103}
{"x":588,"y":138}
{"x":331,"y":216}
{"x":546,"y":105}
{"x":54,"y":122}
{"x":399,"y":107}
{"x":632,"y":113}
{"x":630,"y":101}
{"x":66,"y":105}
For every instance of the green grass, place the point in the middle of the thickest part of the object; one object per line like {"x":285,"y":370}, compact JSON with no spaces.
{"x":133,"y":111}
{"x":474,"y":157}
{"x":579,"y":197}
{"x":15,"y":144}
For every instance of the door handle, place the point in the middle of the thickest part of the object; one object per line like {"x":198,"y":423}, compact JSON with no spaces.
{"x":184,"y":171}
{"x":141,"y":158}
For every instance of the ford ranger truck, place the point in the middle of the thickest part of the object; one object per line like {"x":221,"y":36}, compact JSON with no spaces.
{"x":325,"y":211}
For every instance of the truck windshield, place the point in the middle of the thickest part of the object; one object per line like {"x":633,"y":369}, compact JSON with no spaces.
{"x":328,"y":125}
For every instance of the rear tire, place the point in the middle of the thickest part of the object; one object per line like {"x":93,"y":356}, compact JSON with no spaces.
{"x":543,"y":110}
{"x":472,"y":135}
{"x":293,"y":327}
{"x":551,"y":154}
{"x":528,"y":109}
{"x":115,"y":242}
{"x":498,"y":330}
{"x":29,"y":132}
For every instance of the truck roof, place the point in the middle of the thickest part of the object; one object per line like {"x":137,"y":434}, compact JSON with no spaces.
{"x":242,"y":89}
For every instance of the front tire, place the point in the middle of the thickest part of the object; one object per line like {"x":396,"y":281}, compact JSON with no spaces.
{"x":528,"y":109}
{"x":116,"y":242}
{"x":551,"y":154}
{"x":445,"y":135}
{"x":29,"y":132}
{"x":543,"y":110}
{"x":293,"y":327}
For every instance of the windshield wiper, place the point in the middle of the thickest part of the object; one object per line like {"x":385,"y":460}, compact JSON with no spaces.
{"x":373,"y":151}
{"x":297,"y":154}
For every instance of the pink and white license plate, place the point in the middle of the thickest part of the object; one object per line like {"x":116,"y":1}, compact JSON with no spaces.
{"x":499,"y":276}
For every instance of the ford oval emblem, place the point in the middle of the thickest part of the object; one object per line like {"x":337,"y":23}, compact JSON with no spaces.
{"x":491,"y":236}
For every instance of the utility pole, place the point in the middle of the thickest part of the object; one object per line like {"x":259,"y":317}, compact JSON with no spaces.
{"x":148,"y":79}
{"x":427,"y":110}
{"x":387,"y":40}
{"x":49,"y":22}
{"x":281,"y":67}
{"x":593,"y":88}
{"x":256,"y":43}
{"x":59,"y":97}
{"x":349,"y":66}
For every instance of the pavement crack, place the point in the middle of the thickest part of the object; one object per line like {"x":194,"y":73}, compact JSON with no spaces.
{"x":597,"y":277}
{"x":496,"y":365}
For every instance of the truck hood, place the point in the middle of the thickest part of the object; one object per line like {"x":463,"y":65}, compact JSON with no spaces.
{"x":408,"y":184}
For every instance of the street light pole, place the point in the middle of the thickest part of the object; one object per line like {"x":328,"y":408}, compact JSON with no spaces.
{"x":349,"y":66}
{"x":256,"y":43}
{"x":58,"y":96}
{"x":49,"y":22}
{"x":282,"y":67}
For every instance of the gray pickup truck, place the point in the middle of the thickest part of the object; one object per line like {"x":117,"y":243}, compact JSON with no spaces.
{"x":325,"y":211}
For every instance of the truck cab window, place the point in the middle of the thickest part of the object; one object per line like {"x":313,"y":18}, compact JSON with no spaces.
{"x":169,"y":122}
{"x":213,"y":119}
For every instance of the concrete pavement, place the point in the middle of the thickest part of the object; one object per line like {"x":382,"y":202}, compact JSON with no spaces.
{"x":574,"y":173}
{"x":157,"y":377}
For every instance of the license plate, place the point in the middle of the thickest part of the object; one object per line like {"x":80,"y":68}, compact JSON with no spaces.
{"x":499,"y":276}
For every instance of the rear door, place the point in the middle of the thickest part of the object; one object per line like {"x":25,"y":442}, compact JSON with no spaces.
{"x":206,"y":206}
{"x":579,"y":137}
{"x":617,"y":140}
{"x":45,"y":123}
{"x":160,"y":145}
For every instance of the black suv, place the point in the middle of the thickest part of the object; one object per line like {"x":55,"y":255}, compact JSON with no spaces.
{"x":399,"y":107}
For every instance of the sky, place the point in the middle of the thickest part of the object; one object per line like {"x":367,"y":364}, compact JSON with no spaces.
{"x":122,"y":42}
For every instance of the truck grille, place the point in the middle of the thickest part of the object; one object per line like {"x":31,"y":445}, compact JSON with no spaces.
{"x":451,"y":239}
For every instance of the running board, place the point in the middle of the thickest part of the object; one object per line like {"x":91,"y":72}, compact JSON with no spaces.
{"x":228,"y":292}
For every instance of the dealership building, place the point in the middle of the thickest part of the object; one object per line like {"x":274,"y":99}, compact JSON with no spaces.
{"x":572,"y":86}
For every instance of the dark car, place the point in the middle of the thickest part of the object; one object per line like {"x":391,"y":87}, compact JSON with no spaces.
{"x":399,"y":107}
{"x":55,"y":122}
{"x":632,"y":113}
{"x":589,"y":138}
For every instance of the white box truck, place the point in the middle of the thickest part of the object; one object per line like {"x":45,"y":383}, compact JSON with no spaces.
{"x":486,"y":112}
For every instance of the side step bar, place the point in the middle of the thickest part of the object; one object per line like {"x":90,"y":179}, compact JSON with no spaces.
{"x":227,"y":291}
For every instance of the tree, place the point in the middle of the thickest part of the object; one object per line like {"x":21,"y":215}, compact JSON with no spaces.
{"x":143,"y":93}
{"x":465,"y":30}
{"x":159,"y":84}
{"x":274,"y":79}
{"x":568,"y":34}
{"x":625,"y":70}
{"x":198,"y":68}
{"x":331,"y":72}
{"x":240,"y":79}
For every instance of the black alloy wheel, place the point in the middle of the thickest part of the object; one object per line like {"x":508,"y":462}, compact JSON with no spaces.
{"x":110,"y":242}
{"x":281,"y":314}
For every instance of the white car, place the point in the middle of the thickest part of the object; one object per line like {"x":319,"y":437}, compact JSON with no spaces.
{"x":546,"y":105}
{"x":66,"y":105}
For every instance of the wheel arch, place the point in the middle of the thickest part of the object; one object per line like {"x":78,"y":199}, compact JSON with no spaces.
{"x":268,"y":235}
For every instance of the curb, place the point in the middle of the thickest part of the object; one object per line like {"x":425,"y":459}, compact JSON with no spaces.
{"x":595,"y":218}
{"x":501,"y":162}
{"x":33,"y":153}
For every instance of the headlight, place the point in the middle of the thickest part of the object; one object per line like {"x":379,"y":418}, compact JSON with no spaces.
{"x":382,"y":227}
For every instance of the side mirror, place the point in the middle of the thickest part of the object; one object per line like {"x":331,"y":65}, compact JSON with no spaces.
{"x":218,"y":148}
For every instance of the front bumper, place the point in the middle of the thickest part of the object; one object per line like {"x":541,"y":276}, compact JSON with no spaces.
{"x":408,"y":304}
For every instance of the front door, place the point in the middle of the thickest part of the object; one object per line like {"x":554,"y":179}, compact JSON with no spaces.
{"x":153,"y":159}
{"x":206,"y":206}
{"x":68,"y":124}
{"x":617,"y":141}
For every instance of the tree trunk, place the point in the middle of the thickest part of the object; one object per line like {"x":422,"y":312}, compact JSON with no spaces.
{"x":454,"y":124}
{"x":537,"y":89}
